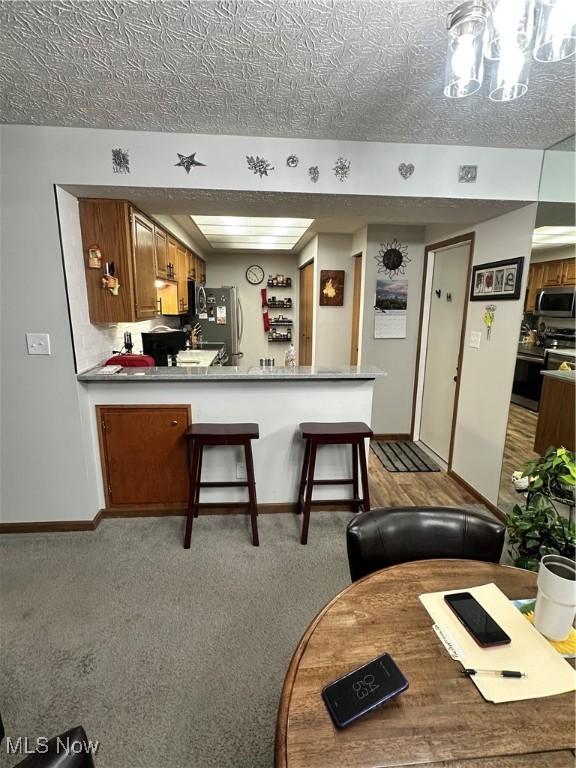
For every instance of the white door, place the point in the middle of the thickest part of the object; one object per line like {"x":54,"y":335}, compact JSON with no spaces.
{"x":447,"y":301}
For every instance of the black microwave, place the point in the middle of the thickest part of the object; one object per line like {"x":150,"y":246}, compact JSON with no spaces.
{"x":196,"y":298}
{"x":556,"y":302}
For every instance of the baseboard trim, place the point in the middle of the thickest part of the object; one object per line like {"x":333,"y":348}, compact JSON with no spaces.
{"x":477,"y":495}
{"x":177,"y":510}
{"x":398,"y":437}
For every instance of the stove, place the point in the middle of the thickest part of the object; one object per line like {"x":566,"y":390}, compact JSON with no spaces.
{"x":532,"y":359}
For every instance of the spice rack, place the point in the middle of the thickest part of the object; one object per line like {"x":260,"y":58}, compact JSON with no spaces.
{"x":279,"y":281}
{"x":279,"y":303}
{"x":282,"y":337}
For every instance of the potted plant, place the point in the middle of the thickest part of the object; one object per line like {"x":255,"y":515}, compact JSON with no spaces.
{"x":537,"y":529}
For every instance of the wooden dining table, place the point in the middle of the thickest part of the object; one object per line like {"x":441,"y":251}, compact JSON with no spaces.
{"x":441,"y":720}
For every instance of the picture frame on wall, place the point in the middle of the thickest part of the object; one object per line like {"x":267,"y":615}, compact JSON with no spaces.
{"x":332,"y":287}
{"x":497,"y":281}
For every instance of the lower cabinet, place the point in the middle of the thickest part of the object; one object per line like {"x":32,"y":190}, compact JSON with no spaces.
{"x":144,"y":454}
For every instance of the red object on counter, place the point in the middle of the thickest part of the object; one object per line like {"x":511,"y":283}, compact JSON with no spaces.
{"x":132,"y":361}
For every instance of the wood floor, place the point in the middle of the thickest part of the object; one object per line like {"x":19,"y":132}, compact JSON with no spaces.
{"x":413,"y":489}
{"x":518,"y":449}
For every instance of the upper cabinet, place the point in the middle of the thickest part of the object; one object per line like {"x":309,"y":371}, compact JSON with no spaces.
{"x":553,"y":272}
{"x":546,"y":274}
{"x":569,"y":272}
{"x":535,"y":282}
{"x":124,"y":254}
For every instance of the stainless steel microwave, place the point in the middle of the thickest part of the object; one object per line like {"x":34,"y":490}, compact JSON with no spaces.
{"x":556,"y":302}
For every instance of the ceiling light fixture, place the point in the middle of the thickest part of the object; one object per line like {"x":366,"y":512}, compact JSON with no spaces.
{"x":251,"y":232}
{"x":501,"y":33}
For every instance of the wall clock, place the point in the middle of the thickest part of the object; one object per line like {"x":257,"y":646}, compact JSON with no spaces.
{"x":255,"y":274}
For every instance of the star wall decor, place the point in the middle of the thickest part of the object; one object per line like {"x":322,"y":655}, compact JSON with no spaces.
{"x":314,"y":173}
{"x":392,"y":258}
{"x":120,"y":161}
{"x":188,"y":161}
{"x":342,"y":169}
{"x":292,"y":161}
{"x":259,"y":165}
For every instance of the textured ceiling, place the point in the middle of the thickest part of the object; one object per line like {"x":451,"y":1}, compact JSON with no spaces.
{"x":331,"y":213}
{"x":339,"y":69}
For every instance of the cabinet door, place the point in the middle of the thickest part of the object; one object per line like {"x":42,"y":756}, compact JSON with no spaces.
{"x":161,"y":243}
{"x":144,"y":454}
{"x":182,"y":277}
{"x":201,"y":271}
{"x":569,"y":272}
{"x":144,"y":267}
{"x":172,"y":258}
{"x":535,"y":283}
{"x":553,"y":273}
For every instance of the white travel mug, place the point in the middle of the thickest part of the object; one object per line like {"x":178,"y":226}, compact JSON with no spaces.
{"x":556,"y":599}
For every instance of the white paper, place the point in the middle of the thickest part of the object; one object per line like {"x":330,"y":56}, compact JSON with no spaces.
{"x":221,"y":315}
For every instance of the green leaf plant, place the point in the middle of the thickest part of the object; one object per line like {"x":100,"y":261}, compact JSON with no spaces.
{"x":537,"y":529}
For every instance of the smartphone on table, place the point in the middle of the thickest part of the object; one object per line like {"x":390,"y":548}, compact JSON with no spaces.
{"x":363,"y":689}
{"x":476,"y":620}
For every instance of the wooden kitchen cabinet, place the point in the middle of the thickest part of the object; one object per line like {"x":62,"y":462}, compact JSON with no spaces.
{"x":182,"y":277}
{"x":535,"y":282}
{"x":201,"y":273}
{"x":144,"y":454}
{"x":553,"y":272}
{"x":161,"y":245}
{"x":144,"y":266}
{"x":569,"y":272}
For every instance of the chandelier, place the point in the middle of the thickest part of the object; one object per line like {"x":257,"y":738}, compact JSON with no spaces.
{"x":502,"y":36}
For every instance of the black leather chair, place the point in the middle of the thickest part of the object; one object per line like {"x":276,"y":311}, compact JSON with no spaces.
{"x":55,"y":754}
{"x":389,"y":536}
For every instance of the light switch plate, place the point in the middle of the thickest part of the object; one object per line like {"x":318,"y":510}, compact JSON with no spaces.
{"x":38,"y":343}
{"x":475,"y":338}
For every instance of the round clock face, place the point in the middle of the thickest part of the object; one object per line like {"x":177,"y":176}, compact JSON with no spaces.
{"x":255,"y":274}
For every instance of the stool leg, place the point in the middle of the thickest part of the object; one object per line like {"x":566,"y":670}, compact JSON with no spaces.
{"x":193,"y":464}
{"x":364,"y":476}
{"x":356,"y":504}
{"x":251,"y":490}
{"x":308,"y":499}
{"x":303,"y":476}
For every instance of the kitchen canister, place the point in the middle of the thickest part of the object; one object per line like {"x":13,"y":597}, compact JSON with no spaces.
{"x":556,"y":599}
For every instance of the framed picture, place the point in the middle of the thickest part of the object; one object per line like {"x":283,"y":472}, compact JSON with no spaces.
{"x":497,"y":281}
{"x":332,"y":287}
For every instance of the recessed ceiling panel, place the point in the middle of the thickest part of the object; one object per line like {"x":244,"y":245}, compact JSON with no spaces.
{"x":352,"y":69}
{"x":258,"y":232}
{"x":551,"y":237}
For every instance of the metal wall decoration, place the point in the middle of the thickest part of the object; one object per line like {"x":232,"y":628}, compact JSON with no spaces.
{"x":342,"y":169}
{"x":406,"y":170}
{"x":259,"y":165}
{"x":467,"y":174}
{"x":392,"y":258}
{"x":292,"y":161}
{"x":120,"y":161}
{"x":188,"y":161}
{"x":314,"y":173}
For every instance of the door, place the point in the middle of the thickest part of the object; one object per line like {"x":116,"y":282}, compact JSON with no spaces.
{"x":355,"y":338}
{"x":161,"y":243}
{"x":447,"y":303}
{"x":144,"y":267}
{"x":306,"y":319}
{"x":144,"y":454}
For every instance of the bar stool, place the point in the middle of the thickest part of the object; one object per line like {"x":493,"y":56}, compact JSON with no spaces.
{"x":200,"y":435}
{"x":332,"y":433}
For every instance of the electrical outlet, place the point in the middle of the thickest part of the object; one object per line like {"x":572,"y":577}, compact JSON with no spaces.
{"x":38,"y":343}
{"x":241,"y":471}
{"x":475,"y":338}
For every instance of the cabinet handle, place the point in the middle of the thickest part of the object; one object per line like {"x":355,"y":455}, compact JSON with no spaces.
{"x":174,"y":422}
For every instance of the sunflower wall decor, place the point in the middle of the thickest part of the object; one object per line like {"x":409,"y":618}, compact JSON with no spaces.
{"x":392,"y":258}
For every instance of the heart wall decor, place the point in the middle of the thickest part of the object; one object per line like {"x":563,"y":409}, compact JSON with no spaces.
{"x":406,"y":170}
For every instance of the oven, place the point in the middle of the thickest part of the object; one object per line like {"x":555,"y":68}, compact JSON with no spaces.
{"x":527,"y":385}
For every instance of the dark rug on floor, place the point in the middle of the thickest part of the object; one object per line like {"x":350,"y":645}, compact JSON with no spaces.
{"x":403,"y":457}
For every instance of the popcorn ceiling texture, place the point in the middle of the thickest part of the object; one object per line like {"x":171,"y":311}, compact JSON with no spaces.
{"x":333,"y":69}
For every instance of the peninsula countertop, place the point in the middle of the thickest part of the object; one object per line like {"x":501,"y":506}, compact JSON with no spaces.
{"x":230,"y":373}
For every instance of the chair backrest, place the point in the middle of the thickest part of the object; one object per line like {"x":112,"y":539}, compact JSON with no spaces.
{"x":389,"y":536}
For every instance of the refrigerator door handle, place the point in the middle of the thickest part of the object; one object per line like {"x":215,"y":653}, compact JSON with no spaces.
{"x":241,"y":320}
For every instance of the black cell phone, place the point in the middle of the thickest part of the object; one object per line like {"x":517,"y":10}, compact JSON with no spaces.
{"x":479,"y":624}
{"x":362,"y":690}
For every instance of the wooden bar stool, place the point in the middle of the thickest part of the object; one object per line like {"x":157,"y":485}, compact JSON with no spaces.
{"x":200,"y":435}
{"x":332,"y":433}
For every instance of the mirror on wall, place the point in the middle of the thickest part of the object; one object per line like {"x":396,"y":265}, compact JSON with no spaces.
{"x":541,"y":404}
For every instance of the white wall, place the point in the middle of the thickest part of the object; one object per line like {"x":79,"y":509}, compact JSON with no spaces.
{"x":487,"y":373}
{"x":333,"y":324}
{"x":553,"y":254}
{"x":230,"y":269}
{"x":93,"y":343}
{"x":392,"y":407}
{"x":558,"y":180}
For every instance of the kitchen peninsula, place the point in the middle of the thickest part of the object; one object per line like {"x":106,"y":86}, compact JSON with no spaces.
{"x":135,"y":422}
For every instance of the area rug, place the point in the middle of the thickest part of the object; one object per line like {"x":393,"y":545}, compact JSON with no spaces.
{"x":403,"y":457}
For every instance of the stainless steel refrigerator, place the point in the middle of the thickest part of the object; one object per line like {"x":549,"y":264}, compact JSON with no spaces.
{"x":223,"y":321}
